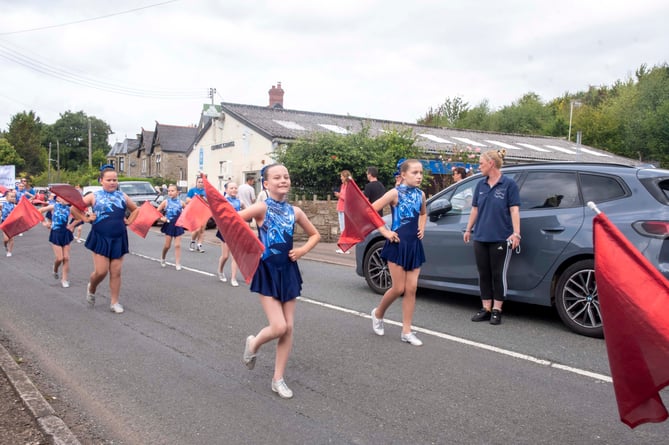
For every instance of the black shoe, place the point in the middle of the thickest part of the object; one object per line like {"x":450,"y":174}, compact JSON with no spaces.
{"x":482,"y":315}
{"x":496,"y":317}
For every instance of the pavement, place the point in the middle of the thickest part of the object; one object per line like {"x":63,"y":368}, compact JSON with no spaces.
{"x":53,"y":426}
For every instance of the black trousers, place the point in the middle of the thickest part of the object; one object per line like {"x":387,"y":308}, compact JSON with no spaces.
{"x":492,"y":262}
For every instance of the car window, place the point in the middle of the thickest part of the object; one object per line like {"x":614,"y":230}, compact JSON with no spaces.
{"x":461,"y":199}
{"x":549,"y":190}
{"x":599,"y":188}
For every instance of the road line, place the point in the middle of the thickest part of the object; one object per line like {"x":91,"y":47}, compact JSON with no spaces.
{"x":464,"y":341}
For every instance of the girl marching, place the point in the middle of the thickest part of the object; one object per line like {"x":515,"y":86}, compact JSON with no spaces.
{"x":172,"y":208}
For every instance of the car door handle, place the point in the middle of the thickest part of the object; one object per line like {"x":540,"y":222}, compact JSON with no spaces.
{"x":553,"y":229}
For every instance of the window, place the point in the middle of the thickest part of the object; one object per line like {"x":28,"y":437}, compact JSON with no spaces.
{"x":599,"y":188}
{"x":542,"y":190}
{"x":121,"y":164}
{"x":462,"y":197}
{"x":158,"y":158}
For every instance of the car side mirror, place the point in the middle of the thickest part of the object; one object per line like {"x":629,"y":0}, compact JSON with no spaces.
{"x":438,"y":208}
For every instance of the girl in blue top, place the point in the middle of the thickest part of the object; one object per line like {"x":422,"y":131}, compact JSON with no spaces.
{"x":496,"y":213}
{"x":108,"y":238}
{"x":403,"y":249}
{"x":172,"y":208}
{"x":60,"y":236}
{"x":277,"y":279}
{"x":7,"y":208}
{"x":231,"y":189}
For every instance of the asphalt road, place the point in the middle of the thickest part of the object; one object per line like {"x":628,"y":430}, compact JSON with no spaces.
{"x":169,"y":371}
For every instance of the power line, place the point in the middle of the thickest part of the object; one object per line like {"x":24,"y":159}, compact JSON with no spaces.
{"x":17,"y":57}
{"x":88,"y":19}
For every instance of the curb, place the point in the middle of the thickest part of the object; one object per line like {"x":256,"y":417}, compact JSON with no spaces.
{"x":51,"y":425}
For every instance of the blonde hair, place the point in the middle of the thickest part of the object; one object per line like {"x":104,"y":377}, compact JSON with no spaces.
{"x":496,"y":156}
{"x":346,"y":174}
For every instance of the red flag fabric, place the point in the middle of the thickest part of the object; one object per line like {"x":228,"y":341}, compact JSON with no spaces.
{"x":147,"y":215}
{"x":3,"y":189}
{"x":633,"y":297}
{"x":194,"y":215}
{"x":244,"y":245}
{"x":23,"y":218}
{"x":360,"y":218}
{"x":69,"y":194}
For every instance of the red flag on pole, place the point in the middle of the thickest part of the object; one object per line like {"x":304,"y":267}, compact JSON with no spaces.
{"x":3,"y":189}
{"x":360,"y":218}
{"x":244,"y":245}
{"x":69,"y":194}
{"x":147,"y":215}
{"x":633,"y":297}
{"x":24,"y":217}
{"x":194,"y":215}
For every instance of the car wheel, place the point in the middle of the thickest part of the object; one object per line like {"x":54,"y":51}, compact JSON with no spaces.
{"x":376,"y":270}
{"x":576,"y":299}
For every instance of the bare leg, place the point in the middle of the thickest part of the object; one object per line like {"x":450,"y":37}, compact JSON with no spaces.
{"x":177,"y":250}
{"x":66,"y":261}
{"x":115,"y":279}
{"x":166,"y":247}
{"x":281,"y":318}
{"x":100,"y":269}
{"x":409,"y":300}
{"x":58,"y":257}
{"x":398,"y":275}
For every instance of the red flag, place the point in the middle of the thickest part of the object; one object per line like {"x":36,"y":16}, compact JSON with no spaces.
{"x":244,"y":245}
{"x":24,"y":217}
{"x":360,"y":218}
{"x":633,"y":297}
{"x":147,"y":215}
{"x":3,"y":189}
{"x":194,"y":215}
{"x":69,"y":194}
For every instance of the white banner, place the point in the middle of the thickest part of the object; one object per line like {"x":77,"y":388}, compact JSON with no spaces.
{"x":8,"y":176}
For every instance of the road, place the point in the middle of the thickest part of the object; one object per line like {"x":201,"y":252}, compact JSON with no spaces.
{"x":169,"y":371}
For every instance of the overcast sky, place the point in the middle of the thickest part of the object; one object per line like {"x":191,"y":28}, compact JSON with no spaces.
{"x":384,"y":59}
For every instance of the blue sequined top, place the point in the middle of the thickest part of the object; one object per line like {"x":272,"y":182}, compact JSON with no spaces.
{"x":173,"y":209}
{"x":59,"y":216}
{"x":109,"y":211}
{"x":276,"y":232}
{"x":7,"y":208}
{"x":409,"y":203}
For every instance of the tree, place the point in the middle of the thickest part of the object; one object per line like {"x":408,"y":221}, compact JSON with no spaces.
{"x":24,"y":135}
{"x":9,"y":156}
{"x":446,"y":114}
{"x":314,"y":162}
{"x":70,"y":131}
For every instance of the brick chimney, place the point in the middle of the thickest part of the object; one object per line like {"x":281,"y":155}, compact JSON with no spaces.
{"x":276,"y":96}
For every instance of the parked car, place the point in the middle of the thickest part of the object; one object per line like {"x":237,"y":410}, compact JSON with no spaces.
{"x":90,"y":189}
{"x":139,"y":192}
{"x":555,"y":266}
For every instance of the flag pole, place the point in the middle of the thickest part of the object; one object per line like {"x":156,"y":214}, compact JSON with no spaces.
{"x":594,"y":208}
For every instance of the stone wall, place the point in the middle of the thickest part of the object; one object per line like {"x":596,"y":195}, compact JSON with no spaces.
{"x":322,"y":214}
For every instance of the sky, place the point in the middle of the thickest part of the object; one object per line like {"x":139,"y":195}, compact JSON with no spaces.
{"x":133,"y":63}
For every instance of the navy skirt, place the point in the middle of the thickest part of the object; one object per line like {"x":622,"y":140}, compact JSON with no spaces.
{"x":61,"y":237}
{"x":171,"y":229}
{"x":277,"y":277}
{"x":409,"y":252}
{"x":110,"y":247}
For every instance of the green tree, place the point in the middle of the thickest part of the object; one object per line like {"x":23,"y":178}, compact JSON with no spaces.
{"x":9,"y":156}
{"x":446,"y":114}
{"x":314,"y":162}
{"x":24,"y":135}
{"x":70,"y":131}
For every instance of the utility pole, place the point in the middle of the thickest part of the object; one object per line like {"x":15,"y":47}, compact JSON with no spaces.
{"x":49,"y":169}
{"x":58,"y":158}
{"x":212,"y":91}
{"x":90,"y":145}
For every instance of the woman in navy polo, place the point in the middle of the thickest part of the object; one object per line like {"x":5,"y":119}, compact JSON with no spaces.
{"x":496,"y":213}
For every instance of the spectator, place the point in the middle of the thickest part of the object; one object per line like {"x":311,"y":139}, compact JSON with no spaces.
{"x":345,"y":177}
{"x":459,"y":173}
{"x":496,"y":213}
{"x":374,"y":189}
{"x":247,"y":192}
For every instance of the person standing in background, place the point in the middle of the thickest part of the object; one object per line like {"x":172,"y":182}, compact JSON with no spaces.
{"x":345,"y":177}
{"x":459,"y":173}
{"x":247,"y":192}
{"x":374,"y":189}
{"x":494,"y":225}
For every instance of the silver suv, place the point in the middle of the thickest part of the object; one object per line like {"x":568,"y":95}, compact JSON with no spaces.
{"x":555,"y":266}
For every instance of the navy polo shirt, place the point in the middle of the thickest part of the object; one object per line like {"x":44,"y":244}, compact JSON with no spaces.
{"x":493,"y":223}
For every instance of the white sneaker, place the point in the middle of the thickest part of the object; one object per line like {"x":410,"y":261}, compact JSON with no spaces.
{"x":90,"y":297}
{"x":9,"y":254}
{"x":191,"y":247}
{"x":65,"y":283}
{"x":411,"y":339}
{"x":339,"y":251}
{"x":162,"y":262}
{"x":178,"y":267}
{"x":282,"y":389}
{"x":377,"y":324}
{"x":79,"y":240}
{"x":234,"y":282}
{"x":249,"y":358}
{"x":222,"y":277}
{"x":199,"y":248}
{"x":116,"y":308}
{"x":55,"y":275}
